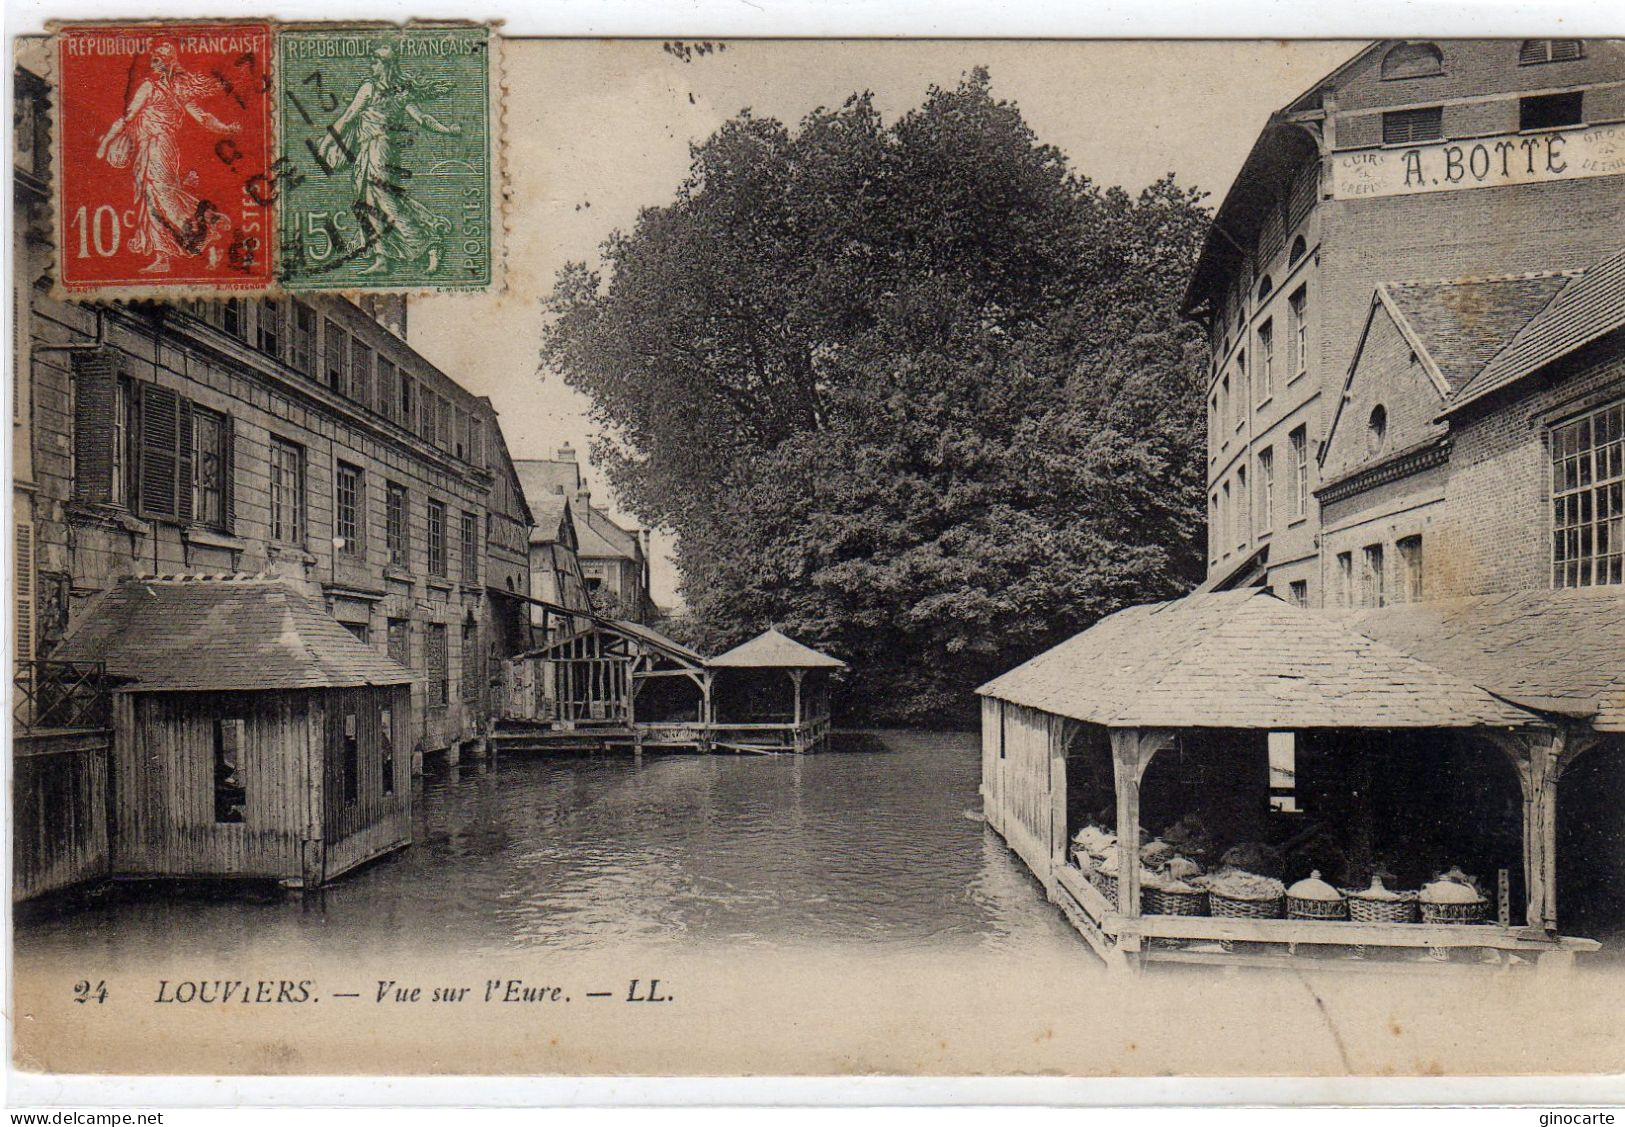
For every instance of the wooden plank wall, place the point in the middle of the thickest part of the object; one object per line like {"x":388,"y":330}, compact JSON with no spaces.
{"x":1024,"y":800}
{"x":163,"y":785}
{"x":59,"y":819}
{"x":992,"y":795}
{"x":357,"y":830}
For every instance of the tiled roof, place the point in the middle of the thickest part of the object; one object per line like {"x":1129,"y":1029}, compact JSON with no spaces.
{"x":1587,"y":307}
{"x":547,"y":510}
{"x":602,"y":538}
{"x":1557,"y":651}
{"x":1242,"y":659}
{"x":177,"y":633}
{"x":539,"y":477}
{"x":1464,"y":323}
{"x":773,"y":650}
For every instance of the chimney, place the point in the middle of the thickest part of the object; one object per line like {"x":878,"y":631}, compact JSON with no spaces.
{"x":567,"y":453}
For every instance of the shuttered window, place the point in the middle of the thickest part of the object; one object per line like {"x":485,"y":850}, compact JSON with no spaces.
{"x":395,"y":524}
{"x":1549,"y":51}
{"x":336,"y":348}
{"x":24,"y":564}
{"x":211,"y":470}
{"x":350,"y":504}
{"x":165,"y":446}
{"x":303,"y":353}
{"x":97,"y":419}
{"x":435,"y":665}
{"x":287,"y":492}
{"x":1408,"y":127}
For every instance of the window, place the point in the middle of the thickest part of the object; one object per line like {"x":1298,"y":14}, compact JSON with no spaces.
{"x":434,"y":664}
{"x":1224,"y":405}
{"x":407,"y":418}
{"x":1266,"y":360}
{"x":389,"y":402}
{"x":386,"y":749}
{"x":287,"y":492}
{"x":269,"y":336}
{"x":1376,"y":429}
{"x":1407,"y":127}
{"x":476,"y":440}
{"x":303,"y":356}
{"x":1299,"y":249}
{"x":350,"y":505}
{"x":1413,"y":60}
{"x":460,"y":433}
{"x":426,"y":423}
{"x":122,"y":451}
{"x":1299,"y":442}
{"x":1241,"y":513}
{"x":1298,"y":592}
{"x":232,"y":317}
{"x":1588,"y":511}
{"x":1345,"y":579}
{"x":443,"y":427}
{"x":399,"y":641}
{"x":1549,"y":51}
{"x":1241,"y":387}
{"x":211,"y":469}
{"x":336,"y":343}
{"x":360,"y":372}
{"x":1410,"y":568}
{"x":230,"y":794}
{"x":469,"y":545}
{"x":471,"y":662}
{"x":1225,"y":516}
{"x":1214,"y":540}
{"x":1299,"y":301}
{"x":360,"y":631}
{"x":437,"y":537}
{"x":395,"y":525}
{"x":1265,"y":287}
{"x":1372,"y":590}
{"x":350,"y":765}
{"x":1266,"y":490}
{"x":1550,"y":111}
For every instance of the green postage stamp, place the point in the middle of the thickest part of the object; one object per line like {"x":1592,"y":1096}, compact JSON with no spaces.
{"x":386,"y":163}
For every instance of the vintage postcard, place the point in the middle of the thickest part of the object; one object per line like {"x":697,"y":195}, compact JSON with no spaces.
{"x":932,"y":557}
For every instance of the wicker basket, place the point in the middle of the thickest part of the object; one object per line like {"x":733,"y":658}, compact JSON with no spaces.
{"x":1160,"y":902}
{"x":1230,"y":908}
{"x":1107,"y":883}
{"x":1364,"y":910}
{"x":1300,"y":909}
{"x":1469,"y":913}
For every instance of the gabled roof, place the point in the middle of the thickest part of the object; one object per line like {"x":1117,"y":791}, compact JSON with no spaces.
{"x":602,"y":538}
{"x":1242,"y":659}
{"x":773,"y":650}
{"x":1461,"y":324}
{"x":1559,"y":651}
{"x":1587,"y":307}
{"x":550,"y":516}
{"x":217,"y":633}
{"x":539,"y":477}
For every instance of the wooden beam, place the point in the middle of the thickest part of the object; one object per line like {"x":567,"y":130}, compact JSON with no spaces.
{"x":1126,"y":768}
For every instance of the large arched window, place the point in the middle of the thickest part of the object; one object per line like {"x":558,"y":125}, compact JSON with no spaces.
{"x":1299,"y":248}
{"x":1549,"y":51}
{"x":1413,"y":60}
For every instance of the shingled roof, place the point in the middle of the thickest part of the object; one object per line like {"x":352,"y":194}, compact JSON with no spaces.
{"x":217,"y":633}
{"x":1559,"y":651}
{"x":1242,"y":659}
{"x":1463,"y":323}
{"x":773,"y":650}
{"x":1588,"y":307}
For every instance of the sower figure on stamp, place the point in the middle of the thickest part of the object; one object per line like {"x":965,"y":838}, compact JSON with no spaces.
{"x":170,"y":221}
{"x":366,"y":133}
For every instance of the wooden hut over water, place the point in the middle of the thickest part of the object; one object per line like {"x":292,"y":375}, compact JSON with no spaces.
{"x":253,"y":735}
{"x":772,"y":694}
{"x":1279,"y":727}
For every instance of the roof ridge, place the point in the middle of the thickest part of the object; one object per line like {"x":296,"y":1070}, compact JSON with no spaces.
{"x":243,"y":577}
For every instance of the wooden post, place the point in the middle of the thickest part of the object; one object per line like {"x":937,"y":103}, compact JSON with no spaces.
{"x":1126,"y":780}
{"x":1060,"y":732}
{"x":1540,"y":834}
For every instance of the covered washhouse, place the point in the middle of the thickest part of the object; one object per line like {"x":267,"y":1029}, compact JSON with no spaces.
{"x":772,"y":694}
{"x":1230,"y":778}
{"x":253,"y":735}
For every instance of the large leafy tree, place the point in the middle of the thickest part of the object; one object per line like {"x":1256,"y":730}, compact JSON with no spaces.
{"x":918,"y":393}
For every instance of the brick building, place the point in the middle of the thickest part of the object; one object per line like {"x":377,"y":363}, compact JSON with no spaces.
{"x":1413,"y":161}
{"x":304,"y":440}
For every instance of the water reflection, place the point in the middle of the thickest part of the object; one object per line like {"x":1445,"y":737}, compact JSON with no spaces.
{"x":877,"y":842}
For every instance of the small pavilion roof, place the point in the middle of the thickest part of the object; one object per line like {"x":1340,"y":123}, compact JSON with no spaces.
{"x":222,"y":632}
{"x":773,"y":650}
{"x":1243,"y":659}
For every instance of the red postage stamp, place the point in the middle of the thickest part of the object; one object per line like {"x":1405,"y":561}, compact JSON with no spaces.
{"x":163,"y":158}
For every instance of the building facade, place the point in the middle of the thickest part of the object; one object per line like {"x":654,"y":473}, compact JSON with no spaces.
{"x":1413,"y":162}
{"x":614,"y":560}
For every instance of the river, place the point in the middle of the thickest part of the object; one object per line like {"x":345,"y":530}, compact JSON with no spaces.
{"x":878,"y":842}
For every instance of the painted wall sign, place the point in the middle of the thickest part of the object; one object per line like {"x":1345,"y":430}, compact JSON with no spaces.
{"x":1487,"y":162}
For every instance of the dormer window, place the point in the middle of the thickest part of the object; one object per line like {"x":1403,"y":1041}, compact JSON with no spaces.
{"x":1376,"y":429}
{"x":1413,"y":60}
{"x":1549,"y":51}
{"x":1299,"y":249}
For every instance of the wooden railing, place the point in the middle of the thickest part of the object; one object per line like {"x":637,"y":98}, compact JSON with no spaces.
{"x":60,"y":695}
